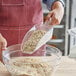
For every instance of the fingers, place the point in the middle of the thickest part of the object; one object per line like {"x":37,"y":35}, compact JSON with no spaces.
{"x":55,"y":20}
{"x":49,"y":16}
{"x":3,"y":43}
{"x":3,"y":46}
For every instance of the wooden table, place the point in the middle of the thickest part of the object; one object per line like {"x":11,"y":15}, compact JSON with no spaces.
{"x":66,"y":68}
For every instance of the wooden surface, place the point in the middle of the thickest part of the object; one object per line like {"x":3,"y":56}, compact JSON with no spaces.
{"x":66,"y":68}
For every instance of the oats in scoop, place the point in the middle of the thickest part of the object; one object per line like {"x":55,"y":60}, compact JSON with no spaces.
{"x":33,"y":40}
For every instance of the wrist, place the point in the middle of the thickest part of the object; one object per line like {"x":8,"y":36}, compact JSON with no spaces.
{"x":57,"y":5}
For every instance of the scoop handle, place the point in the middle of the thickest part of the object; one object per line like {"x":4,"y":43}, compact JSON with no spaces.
{"x":47,"y":22}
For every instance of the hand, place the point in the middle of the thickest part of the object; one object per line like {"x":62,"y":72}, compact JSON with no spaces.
{"x":56,"y":14}
{"x":3,"y":45}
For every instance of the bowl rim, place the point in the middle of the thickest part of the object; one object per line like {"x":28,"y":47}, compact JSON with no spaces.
{"x":58,"y":53}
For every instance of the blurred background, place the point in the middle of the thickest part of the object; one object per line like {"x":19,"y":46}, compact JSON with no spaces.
{"x":60,"y":38}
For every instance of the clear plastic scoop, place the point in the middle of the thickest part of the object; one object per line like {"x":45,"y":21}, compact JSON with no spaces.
{"x":46,"y":36}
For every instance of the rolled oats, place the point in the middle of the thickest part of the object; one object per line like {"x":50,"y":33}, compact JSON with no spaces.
{"x":33,"y":40}
{"x":27,"y":66}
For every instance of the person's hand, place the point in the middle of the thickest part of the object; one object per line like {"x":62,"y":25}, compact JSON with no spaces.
{"x":56,"y":14}
{"x":3,"y":45}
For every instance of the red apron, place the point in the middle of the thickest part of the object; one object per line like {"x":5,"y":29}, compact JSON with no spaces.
{"x":17,"y":17}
